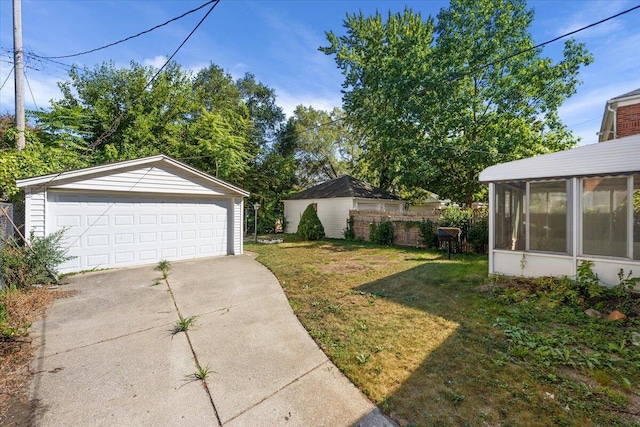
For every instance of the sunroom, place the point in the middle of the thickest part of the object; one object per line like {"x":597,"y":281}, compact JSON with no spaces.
{"x":551,"y":212}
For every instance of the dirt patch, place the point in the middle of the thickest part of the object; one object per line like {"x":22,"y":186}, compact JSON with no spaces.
{"x":354,"y":267}
{"x":16,"y":354}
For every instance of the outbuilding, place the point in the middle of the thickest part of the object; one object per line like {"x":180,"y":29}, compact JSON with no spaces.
{"x":334,"y":199}
{"x":135,"y":212}
{"x":550,"y":213}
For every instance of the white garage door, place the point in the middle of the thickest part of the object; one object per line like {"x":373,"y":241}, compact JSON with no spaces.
{"x":121,"y":230}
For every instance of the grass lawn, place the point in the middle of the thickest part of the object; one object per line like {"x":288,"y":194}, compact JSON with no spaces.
{"x":413,"y":331}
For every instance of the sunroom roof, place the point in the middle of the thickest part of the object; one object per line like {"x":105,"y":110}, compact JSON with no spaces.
{"x":618,"y":156}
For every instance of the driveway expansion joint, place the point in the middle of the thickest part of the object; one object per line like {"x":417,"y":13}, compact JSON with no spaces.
{"x":293,"y":381}
{"x":195,"y":356}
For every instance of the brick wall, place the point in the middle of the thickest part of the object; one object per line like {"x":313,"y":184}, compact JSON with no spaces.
{"x":403,"y":235}
{"x":628,"y":120}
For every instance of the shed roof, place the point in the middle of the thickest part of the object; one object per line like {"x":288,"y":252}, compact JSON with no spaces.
{"x":344,"y":186}
{"x":79,"y":174}
{"x":617,"y":156}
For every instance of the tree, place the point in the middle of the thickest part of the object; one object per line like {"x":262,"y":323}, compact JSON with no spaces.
{"x":317,"y":140}
{"x":439,"y":100}
{"x":266,"y":116}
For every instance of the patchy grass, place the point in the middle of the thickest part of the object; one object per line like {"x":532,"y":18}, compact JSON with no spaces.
{"x":414,"y":333}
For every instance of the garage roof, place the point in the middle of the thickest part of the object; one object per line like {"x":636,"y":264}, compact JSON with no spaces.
{"x":112,"y":168}
{"x":617,"y":156}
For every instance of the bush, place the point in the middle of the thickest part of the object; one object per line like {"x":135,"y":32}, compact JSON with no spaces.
{"x":310,"y":227}
{"x":381,"y":234}
{"x":428,"y":233}
{"x":23,"y":266}
{"x":478,"y":236}
{"x":349,"y":233}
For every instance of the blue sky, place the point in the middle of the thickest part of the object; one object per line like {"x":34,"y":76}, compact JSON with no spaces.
{"x":278,"y":42}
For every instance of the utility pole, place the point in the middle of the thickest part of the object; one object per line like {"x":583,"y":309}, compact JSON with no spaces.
{"x":18,"y":73}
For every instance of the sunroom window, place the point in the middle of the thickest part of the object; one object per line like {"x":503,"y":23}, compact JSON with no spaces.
{"x":548,"y":216}
{"x":509,"y":216}
{"x":604,"y":216}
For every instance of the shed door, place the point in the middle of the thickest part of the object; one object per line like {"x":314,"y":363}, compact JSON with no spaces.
{"x":120,"y":230}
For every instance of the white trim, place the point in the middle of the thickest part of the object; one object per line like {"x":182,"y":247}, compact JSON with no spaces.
{"x":620,"y":156}
{"x":492,"y":225}
{"x":47,"y":180}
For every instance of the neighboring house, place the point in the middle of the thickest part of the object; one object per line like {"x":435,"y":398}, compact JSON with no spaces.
{"x":621,"y":117}
{"x":334,"y":199}
{"x":551,"y":212}
{"x":135,"y":212}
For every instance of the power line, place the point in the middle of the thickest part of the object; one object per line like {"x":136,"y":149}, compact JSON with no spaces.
{"x":133,"y":36}
{"x":116,"y":122}
{"x":8,"y":75}
{"x":520,"y":52}
{"x":30,"y":91}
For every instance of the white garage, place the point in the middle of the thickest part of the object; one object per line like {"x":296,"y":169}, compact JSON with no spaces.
{"x":135,"y":212}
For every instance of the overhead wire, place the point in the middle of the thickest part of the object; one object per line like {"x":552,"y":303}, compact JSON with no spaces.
{"x":8,"y":75}
{"x":116,"y":122}
{"x":133,"y":36}
{"x":570,"y":33}
{"x":30,"y":91}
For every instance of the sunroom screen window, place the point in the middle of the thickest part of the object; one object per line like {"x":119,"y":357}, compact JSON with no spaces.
{"x":604,"y":216}
{"x":548,"y":216}
{"x":509,"y":216}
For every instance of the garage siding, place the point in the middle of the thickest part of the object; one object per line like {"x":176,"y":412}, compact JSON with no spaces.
{"x":152,"y":179}
{"x":35,"y":214}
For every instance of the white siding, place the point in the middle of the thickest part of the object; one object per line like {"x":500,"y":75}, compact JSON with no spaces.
{"x":617,"y":156}
{"x":292,"y":212}
{"x":35,"y":213}
{"x":509,"y":263}
{"x":144,"y":179}
{"x":333,"y":214}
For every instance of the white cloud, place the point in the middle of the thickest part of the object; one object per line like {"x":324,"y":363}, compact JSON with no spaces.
{"x":39,"y":91}
{"x":591,"y":12}
{"x":289,"y":101}
{"x":156,"y":61}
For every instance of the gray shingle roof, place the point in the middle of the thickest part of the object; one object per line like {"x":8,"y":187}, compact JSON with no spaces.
{"x":628,"y":94}
{"x":344,"y":186}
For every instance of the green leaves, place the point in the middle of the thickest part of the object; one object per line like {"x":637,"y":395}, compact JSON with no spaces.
{"x":437,"y":101}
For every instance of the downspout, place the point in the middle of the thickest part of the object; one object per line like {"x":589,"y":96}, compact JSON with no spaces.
{"x":615,"y":120}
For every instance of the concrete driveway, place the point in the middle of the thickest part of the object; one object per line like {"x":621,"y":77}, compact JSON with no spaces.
{"x":107,"y":355}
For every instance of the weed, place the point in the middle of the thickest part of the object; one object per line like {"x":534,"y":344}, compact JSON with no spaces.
{"x":156,"y":282}
{"x":363,"y":358}
{"x":183,"y":324}
{"x":201,"y":373}
{"x":163,"y":266}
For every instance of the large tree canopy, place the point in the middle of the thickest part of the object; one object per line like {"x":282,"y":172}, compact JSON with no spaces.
{"x":318,"y":142}
{"x":437,"y":101}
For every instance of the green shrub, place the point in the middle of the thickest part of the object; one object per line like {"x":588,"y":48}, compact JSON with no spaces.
{"x":455,"y":217}
{"x":381,"y":234}
{"x":428,"y":233}
{"x":478,"y":236}
{"x":349,"y":233}
{"x":23,"y":266}
{"x":310,"y":227}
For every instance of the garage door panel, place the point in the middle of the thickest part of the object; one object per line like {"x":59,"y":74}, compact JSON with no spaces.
{"x":119,"y":230}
